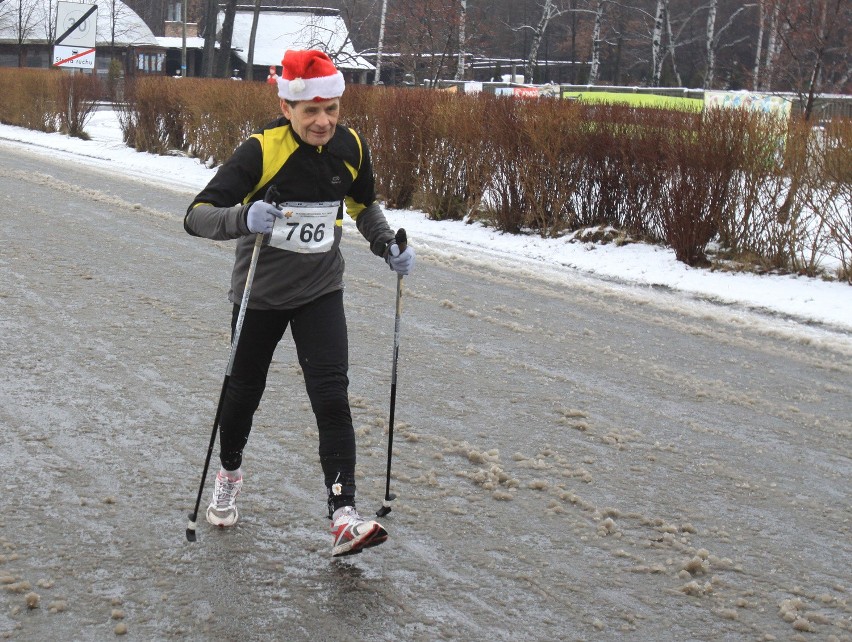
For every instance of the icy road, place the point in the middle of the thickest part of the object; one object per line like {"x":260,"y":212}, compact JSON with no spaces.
{"x":574,"y":459}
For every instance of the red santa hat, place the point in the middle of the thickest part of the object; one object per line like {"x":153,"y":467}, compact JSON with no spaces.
{"x":309,"y":75}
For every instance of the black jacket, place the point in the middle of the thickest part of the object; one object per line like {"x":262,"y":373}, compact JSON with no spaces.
{"x":339,"y":171}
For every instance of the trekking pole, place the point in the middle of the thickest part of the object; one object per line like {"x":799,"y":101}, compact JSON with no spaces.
{"x":271,"y":196}
{"x":401,"y":241}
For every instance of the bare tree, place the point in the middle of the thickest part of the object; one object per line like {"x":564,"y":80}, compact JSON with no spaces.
{"x":377,"y":79}
{"x":424,"y":35}
{"x":118,"y":14}
{"x":755,"y":82}
{"x":657,"y":42}
{"x":211,"y":21}
{"x":24,"y":18}
{"x":816,"y":46}
{"x":671,"y":44}
{"x":594,"y":68}
{"x":6,"y":13}
{"x":773,"y":46}
{"x":224,"y":60}
{"x":252,"y":37}
{"x":548,"y":12}
{"x":49,"y":25}
{"x":710,"y":49}
{"x":714,"y":38}
{"x":462,"y":25}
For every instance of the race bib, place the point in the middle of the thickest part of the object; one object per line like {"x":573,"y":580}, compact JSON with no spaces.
{"x":307,"y":228}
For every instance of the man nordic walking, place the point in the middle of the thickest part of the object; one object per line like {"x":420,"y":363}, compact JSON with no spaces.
{"x":317,"y":166}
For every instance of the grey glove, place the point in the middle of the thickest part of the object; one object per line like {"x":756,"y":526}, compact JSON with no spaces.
{"x":261,"y":217}
{"x":400,"y":262}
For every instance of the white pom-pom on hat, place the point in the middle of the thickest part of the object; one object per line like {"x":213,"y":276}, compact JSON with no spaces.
{"x":309,"y":75}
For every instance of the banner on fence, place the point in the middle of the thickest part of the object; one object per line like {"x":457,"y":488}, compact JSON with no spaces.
{"x":517,"y":92}
{"x":748,"y":100}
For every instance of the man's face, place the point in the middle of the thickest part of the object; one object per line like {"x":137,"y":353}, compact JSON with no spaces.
{"x":313,"y":120}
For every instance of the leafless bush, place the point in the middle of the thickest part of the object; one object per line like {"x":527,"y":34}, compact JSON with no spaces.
{"x":152,"y":118}
{"x":30,"y":98}
{"x":226,"y":116}
{"x":699,"y":166}
{"x":553,"y":166}
{"x":830,"y":193}
{"x":78,"y":95}
{"x":505,"y":199}
{"x":400,"y":141}
{"x":205,"y":118}
{"x":454,"y":175}
{"x":764,"y":189}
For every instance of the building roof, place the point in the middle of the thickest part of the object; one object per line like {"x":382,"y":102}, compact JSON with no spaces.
{"x":282,"y":28}
{"x":176,"y":42}
{"x":130,"y":29}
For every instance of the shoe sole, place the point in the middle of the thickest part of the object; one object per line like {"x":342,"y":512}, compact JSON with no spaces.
{"x":222,"y":522}
{"x":355,"y":546}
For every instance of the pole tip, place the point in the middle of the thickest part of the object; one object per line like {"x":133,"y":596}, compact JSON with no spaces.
{"x":190,"y":529}
{"x":386,"y":505}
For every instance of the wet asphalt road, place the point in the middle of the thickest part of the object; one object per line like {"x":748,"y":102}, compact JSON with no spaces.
{"x":574,"y":459}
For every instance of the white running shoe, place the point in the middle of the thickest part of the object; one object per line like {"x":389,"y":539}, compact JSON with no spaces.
{"x":352,"y":533}
{"x":222,"y":510}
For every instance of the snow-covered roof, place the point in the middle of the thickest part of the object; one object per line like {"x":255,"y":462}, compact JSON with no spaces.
{"x":130,"y":29}
{"x":281,"y":29}
{"x":176,"y":42}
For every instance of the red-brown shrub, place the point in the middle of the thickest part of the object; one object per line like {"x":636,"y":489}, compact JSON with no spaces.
{"x":77,"y":97}
{"x":30,"y":98}
{"x":758,"y":186}
{"x":455,"y":172}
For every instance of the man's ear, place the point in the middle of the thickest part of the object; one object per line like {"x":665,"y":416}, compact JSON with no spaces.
{"x":285,"y":109}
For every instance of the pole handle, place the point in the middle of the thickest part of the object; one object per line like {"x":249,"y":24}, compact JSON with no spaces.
{"x":401,"y":239}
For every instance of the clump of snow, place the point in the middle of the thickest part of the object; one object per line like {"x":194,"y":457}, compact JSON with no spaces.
{"x":696,"y":589}
{"x":57,"y":606}
{"x":789,"y":609}
{"x":32,"y":599}
{"x":696,"y":566}
{"x":607,"y":526}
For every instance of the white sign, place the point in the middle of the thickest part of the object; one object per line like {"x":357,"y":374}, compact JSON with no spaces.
{"x":76,"y":27}
{"x":79,"y":57}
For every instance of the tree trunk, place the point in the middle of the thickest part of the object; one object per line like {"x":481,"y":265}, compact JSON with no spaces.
{"x":594,"y":68}
{"x":772,"y":47}
{"x":711,"y":46}
{"x":657,"y":44}
{"x":252,"y":36}
{"x":225,"y":42}
{"x":815,"y":80}
{"x":381,"y":43}
{"x":616,"y":68}
{"x":670,"y":46}
{"x":532,"y":61}
{"x":573,"y":42}
{"x":755,"y":83}
{"x":462,"y":21}
{"x":210,"y":19}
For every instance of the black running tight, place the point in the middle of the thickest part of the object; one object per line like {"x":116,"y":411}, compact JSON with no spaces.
{"x":319,"y":332}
